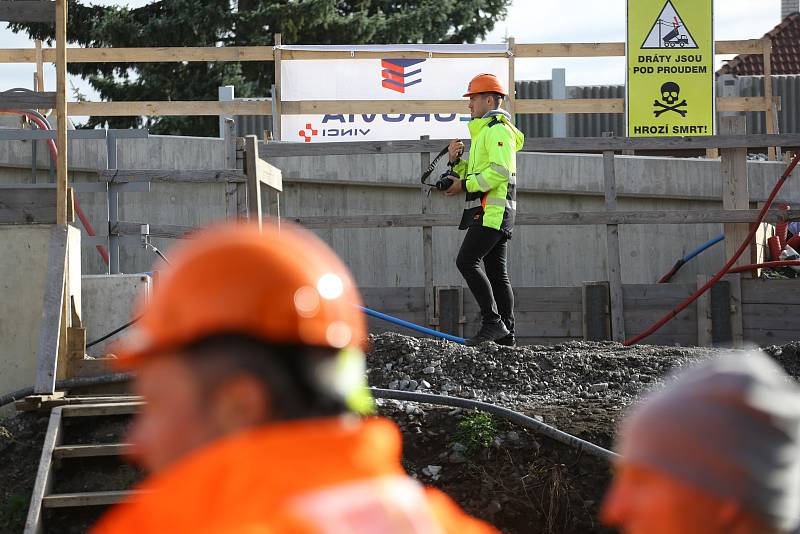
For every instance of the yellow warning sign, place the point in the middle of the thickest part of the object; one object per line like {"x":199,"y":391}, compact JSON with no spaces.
{"x":670,"y":79}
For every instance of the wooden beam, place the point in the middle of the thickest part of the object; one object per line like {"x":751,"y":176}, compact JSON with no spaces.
{"x":277,"y":101}
{"x":735,"y":187}
{"x":768,"y":98}
{"x":747,"y":46}
{"x":743,"y":104}
{"x":172,"y":176}
{"x":337,"y":54}
{"x":94,"y":498}
{"x":536,"y":50}
{"x":319,"y":107}
{"x":512,"y":93}
{"x":27,"y":100}
{"x":61,"y":111}
{"x":27,"y":204}
{"x":613,"y":259}
{"x":154,"y":108}
{"x":573,"y":144}
{"x":44,"y":480}
{"x":52,"y":312}
{"x":91,"y":451}
{"x":268,"y":175}
{"x":27,"y":11}
{"x":166,"y":54}
{"x":571,"y":105}
{"x":93,"y":410}
{"x":253,"y":184}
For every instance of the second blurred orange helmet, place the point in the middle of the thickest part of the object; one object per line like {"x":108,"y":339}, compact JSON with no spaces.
{"x":281,"y":286}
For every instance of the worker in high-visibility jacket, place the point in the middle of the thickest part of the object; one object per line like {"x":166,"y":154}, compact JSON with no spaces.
{"x":248,"y":356}
{"x":489,"y":177}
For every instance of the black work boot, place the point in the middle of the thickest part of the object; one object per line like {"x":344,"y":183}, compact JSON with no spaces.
{"x":509,"y":341}
{"x":488,"y":332}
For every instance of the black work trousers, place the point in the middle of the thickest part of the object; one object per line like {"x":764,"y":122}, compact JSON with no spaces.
{"x":490,"y":286}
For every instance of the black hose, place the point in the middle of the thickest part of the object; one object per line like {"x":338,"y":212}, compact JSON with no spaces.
{"x":68,"y":384}
{"x":504,"y":413}
{"x":113,"y":332}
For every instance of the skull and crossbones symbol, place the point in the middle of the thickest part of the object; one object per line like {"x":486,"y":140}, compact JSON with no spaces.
{"x":670,"y":92}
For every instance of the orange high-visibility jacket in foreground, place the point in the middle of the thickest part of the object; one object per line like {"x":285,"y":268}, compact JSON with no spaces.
{"x":324,"y":476}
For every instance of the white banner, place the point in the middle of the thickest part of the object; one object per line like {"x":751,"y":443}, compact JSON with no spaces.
{"x":376,"y":79}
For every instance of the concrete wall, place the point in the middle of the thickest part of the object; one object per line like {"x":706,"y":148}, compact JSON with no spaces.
{"x":108,"y":304}
{"x":23,"y":268}
{"x":389,"y":184}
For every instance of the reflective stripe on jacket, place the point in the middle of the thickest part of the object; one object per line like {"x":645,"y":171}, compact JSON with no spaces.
{"x":324,"y":476}
{"x":491,"y":170}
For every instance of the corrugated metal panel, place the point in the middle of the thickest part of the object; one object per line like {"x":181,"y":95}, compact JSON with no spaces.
{"x":788,"y":88}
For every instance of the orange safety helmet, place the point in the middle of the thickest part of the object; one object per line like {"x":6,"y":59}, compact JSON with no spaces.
{"x":485,"y":83}
{"x":283,"y":286}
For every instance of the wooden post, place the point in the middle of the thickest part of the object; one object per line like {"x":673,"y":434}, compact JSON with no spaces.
{"x":735,"y":186}
{"x":61,"y":110}
{"x":427,"y":243}
{"x":39,"y":67}
{"x":771,"y":126}
{"x":596,"y":311}
{"x":512,"y":86}
{"x":231,"y":188}
{"x":253,"y":183}
{"x":612,"y":248}
{"x":721,"y":314}
{"x":737,"y":326}
{"x":704,"y":325}
{"x":276,"y":94}
{"x":450,"y":310}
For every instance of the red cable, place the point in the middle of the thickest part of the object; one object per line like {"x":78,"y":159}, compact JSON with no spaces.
{"x":765,"y":265}
{"x":78,"y":210}
{"x":753,"y":229}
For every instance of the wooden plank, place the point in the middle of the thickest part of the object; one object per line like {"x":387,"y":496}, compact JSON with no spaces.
{"x":61,"y":112}
{"x":684,"y":324}
{"x":596,"y":311}
{"x":268,"y":175}
{"x":571,"y":105}
{"x":95,"y":498}
{"x":747,"y":46}
{"x":171,"y":108}
{"x":449,"y":307}
{"x":767,"y":337}
{"x":663,"y":292}
{"x":39,"y":66}
{"x":277,"y":89}
{"x":172,"y":176}
{"x":253,"y":184}
{"x":52,"y":308}
{"x":743,"y":103}
{"x":737,"y":326}
{"x":13,"y":99}
{"x":164,"y":54}
{"x":553,"y":299}
{"x":319,"y":107}
{"x":298,"y":55}
{"x":393,"y":300}
{"x":156,"y":230}
{"x":542,"y":144}
{"x":720,"y":308}
{"x":91,"y":451}
{"x":735,"y":187}
{"x":704,"y":324}
{"x":548,"y":219}
{"x":511,"y":43}
{"x":27,"y":11}
{"x":94,"y":410}
{"x":535,"y":50}
{"x":28,"y":204}
{"x":771,"y":292}
{"x":44,"y":480}
{"x":768,"y":98}
{"x":613,"y":260}
{"x":537,"y":324}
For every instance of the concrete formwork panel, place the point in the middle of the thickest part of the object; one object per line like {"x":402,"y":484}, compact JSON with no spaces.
{"x":108,"y":302}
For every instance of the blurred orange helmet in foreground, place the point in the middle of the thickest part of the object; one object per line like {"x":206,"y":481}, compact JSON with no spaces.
{"x":281,"y":286}
{"x":485,"y":83}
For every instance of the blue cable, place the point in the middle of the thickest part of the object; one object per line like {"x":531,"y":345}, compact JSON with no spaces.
{"x":702,"y":248}
{"x":412,"y":326}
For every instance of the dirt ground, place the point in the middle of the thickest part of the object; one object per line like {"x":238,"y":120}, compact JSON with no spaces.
{"x":514,"y":479}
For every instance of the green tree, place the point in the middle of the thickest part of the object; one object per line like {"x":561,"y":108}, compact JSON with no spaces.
{"x":244,"y":23}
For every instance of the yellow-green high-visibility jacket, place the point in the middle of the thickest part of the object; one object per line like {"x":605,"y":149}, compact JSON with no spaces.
{"x":490,"y":174}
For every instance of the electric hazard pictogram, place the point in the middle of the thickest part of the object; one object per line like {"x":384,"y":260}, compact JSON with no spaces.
{"x":669,"y":31}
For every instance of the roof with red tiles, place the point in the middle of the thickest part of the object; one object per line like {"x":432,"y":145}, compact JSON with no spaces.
{"x":785,"y":52}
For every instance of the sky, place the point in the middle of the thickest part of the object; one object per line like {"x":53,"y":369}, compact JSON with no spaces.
{"x":528,"y":21}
